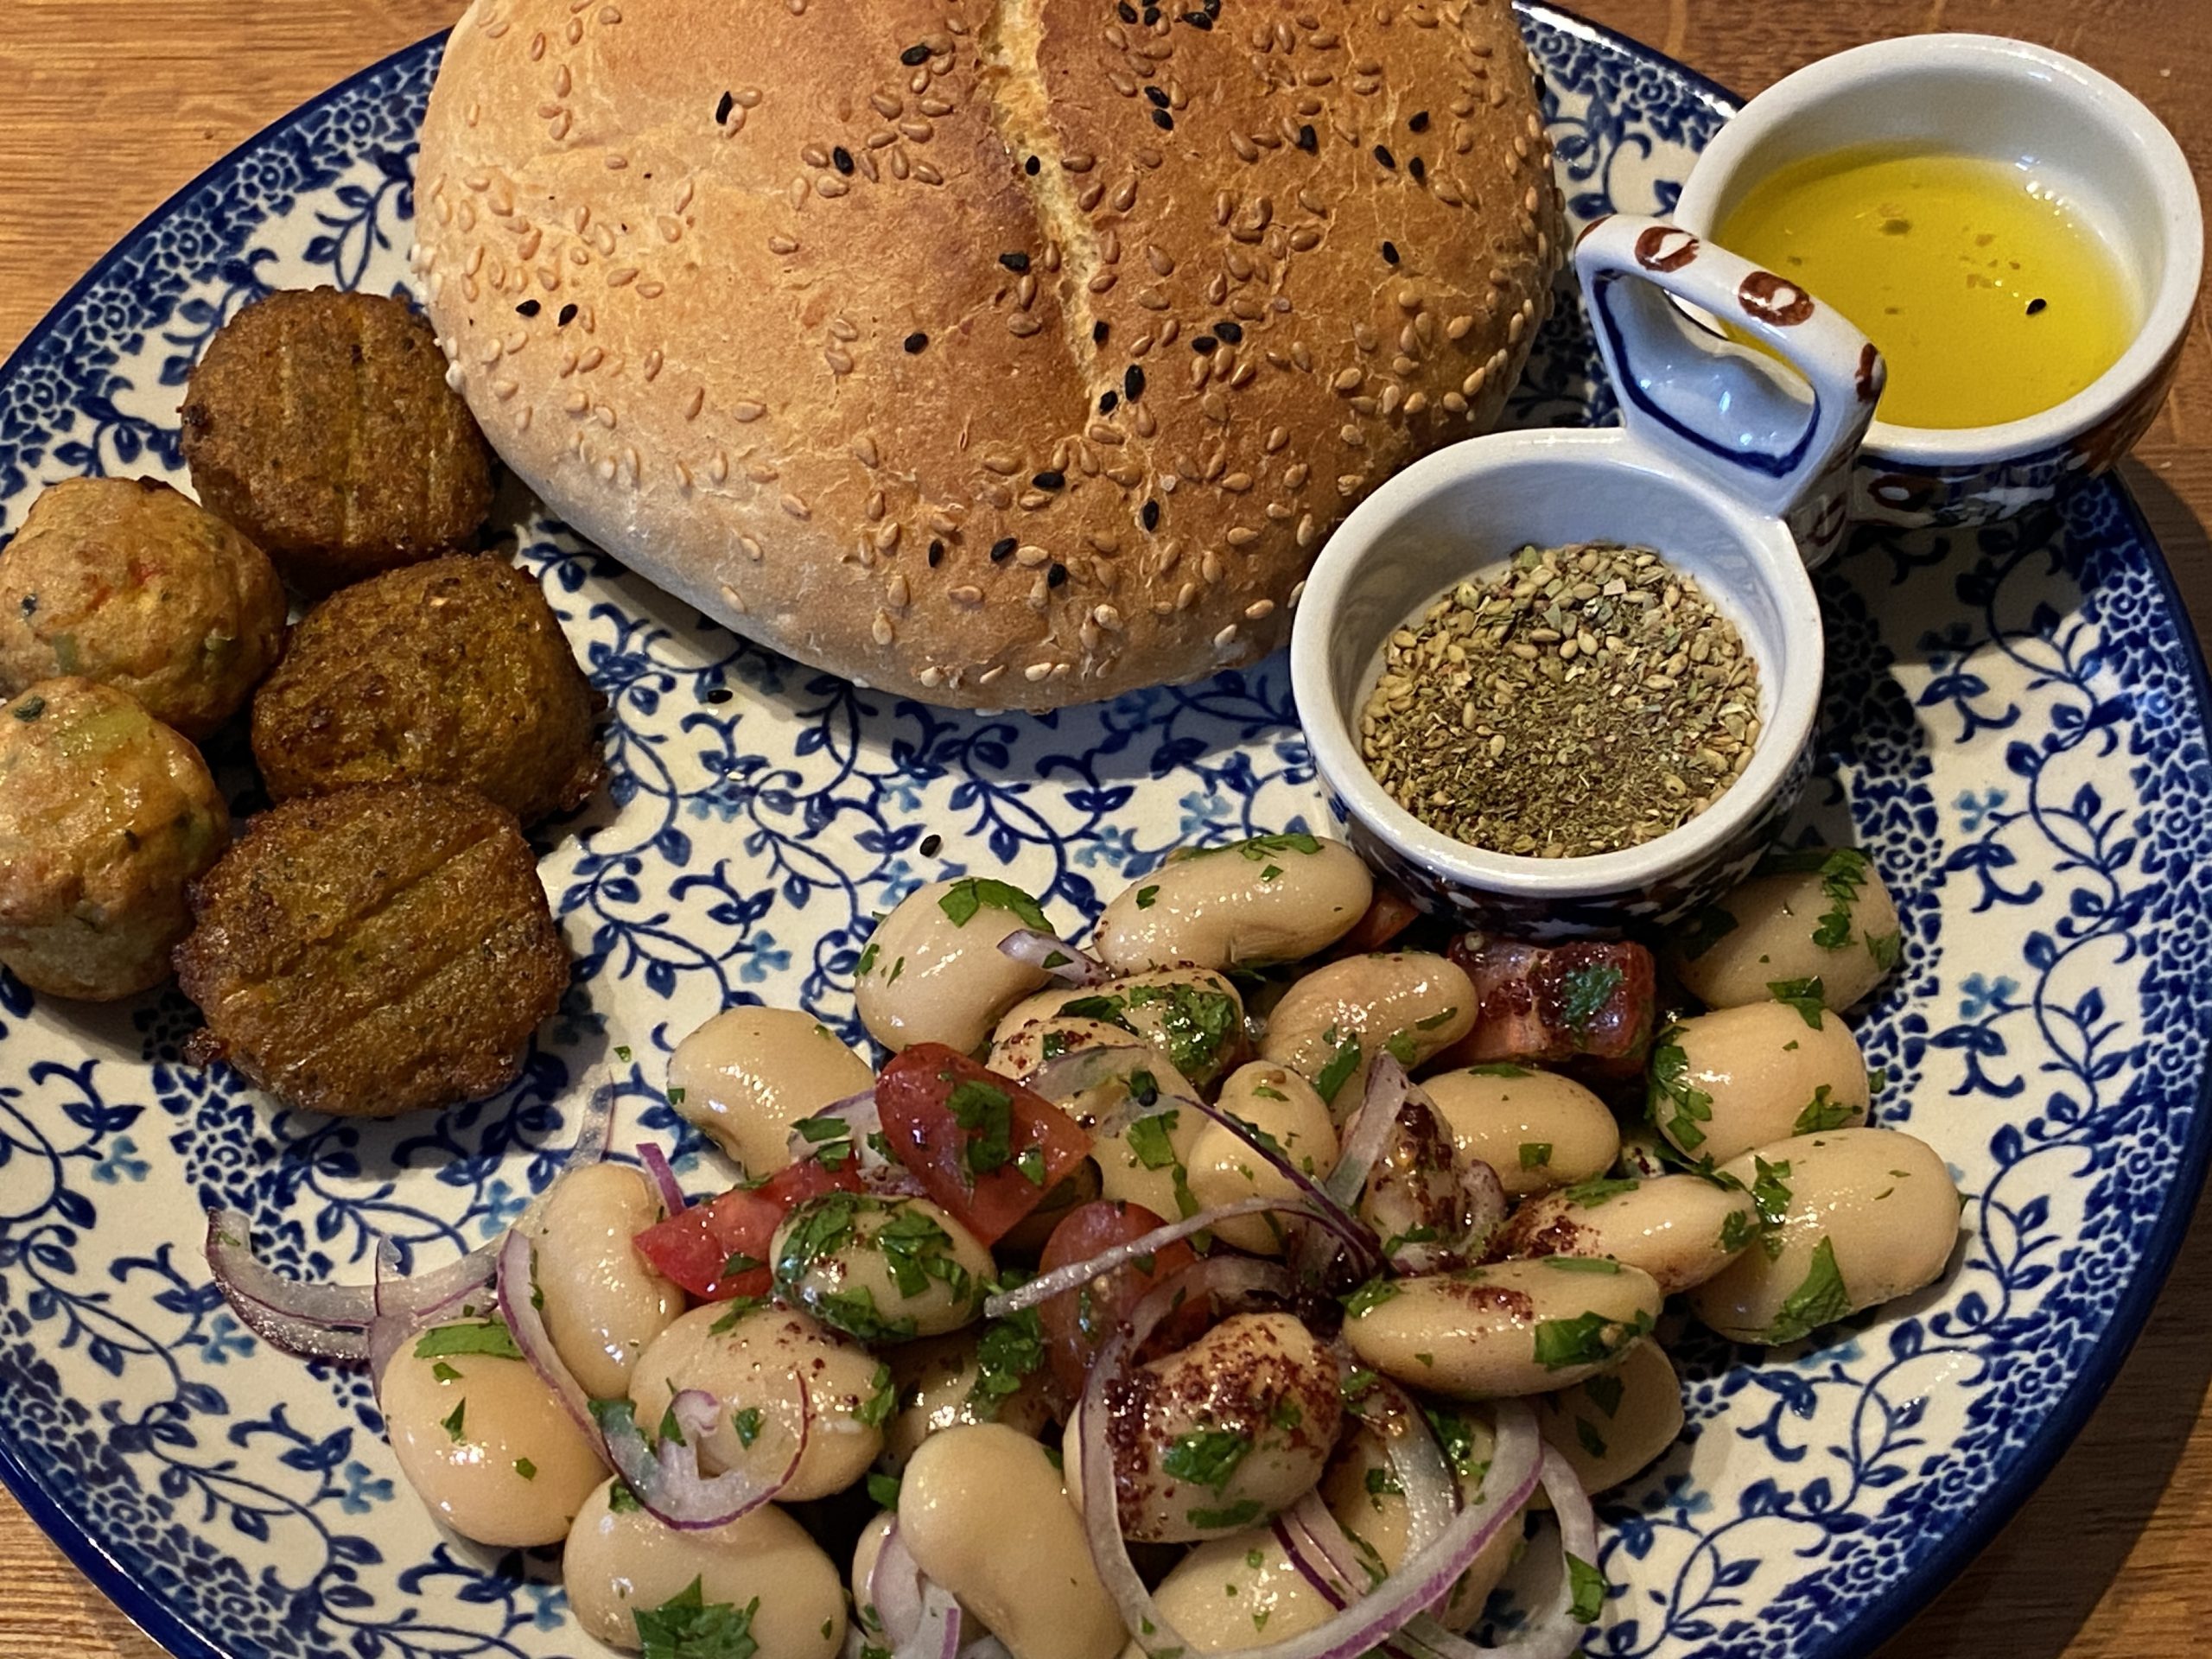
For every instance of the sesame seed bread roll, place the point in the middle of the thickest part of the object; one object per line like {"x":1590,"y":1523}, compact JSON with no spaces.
{"x":1008,"y":355}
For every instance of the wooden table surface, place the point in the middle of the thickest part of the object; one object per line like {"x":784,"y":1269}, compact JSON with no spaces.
{"x":113,"y":103}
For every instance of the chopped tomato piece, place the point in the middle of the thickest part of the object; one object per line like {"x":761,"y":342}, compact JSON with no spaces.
{"x":1388,"y":914}
{"x":985,"y":1148}
{"x":719,"y":1251}
{"x":1077,"y":1322}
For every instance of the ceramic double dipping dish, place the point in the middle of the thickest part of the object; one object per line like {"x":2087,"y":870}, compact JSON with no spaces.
{"x":1564,"y":681}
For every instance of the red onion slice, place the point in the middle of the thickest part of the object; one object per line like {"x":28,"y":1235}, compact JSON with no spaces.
{"x":1556,"y":1633}
{"x":1432,"y":1490}
{"x":1056,"y":956}
{"x":1077,"y":1274}
{"x":667,"y":1479}
{"x":1066,"y":1078}
{"x":937,"y":1634}
{"x":1355,"y":1238}
{"x":519,"y":1303}
{"x":1366,"y":1133}
{"x":656,"y":1166}
{"x":313,"y":1321}
{"x":895,"y":1588}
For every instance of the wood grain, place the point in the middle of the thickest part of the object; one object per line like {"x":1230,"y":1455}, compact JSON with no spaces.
{"x":113,"y":105}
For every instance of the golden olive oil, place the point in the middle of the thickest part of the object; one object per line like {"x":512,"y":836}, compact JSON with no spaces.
{"x":1985,"y":289}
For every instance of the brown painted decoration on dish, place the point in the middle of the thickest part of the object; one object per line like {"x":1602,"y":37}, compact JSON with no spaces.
{"x":1868,"y":359}
{"x":1775,"y":299}
{"x":806,"y":332}
{"x":1665,"y":247}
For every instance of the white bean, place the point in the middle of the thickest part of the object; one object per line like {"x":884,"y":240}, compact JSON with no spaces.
{"x":1193,"y":1015}
{"x":602,"y":1303}
{"x":1018,"y":1054}
{"x":1726,"y":1082}
{"x":932,"y":971}
{"x":981,"y":1511}
{"x":1537,"y":1130}
{"x":1224,"y":1167}
{"x":620,"y":1563}
{"x":880,"y":1269}
{"x":1230,"y":1430}
{"x":1232,"y":1594}
{"x":940,"y":1384}
{"x":1835,"y":922}
{"x":748,"y":1074}
{"x":749,"y":1364}
{"x":1616,"y":1424}
{"x":1371,"y":1507}
{"x":1330,"y":1026}
{"x":487,"y":1445}
{"x":1682,"y":1230}
{"x":1271,"y":899}
{"x":1510,"y":1328}
{"x":1868,"y":1215}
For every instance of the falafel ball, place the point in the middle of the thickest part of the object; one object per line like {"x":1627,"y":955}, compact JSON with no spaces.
{"x":455,"y":671}
{"x":320,"y":424}
{"x":105,"y":815}
{"x":126,"y":581}
{"x":383,"y":949}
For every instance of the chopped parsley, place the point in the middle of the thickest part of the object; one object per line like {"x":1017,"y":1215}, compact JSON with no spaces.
{"x":916,"y":1250}
{"x":621,"y":1500}
{"x":1703,"y":929}
{"x":1198,"y":1026}
{"x":1588,"y":1587}
{"x":854,"y":1312}
{"x":445,"y":1373}
{"x":747,"y":1424}
{"x":526,"y":1468}
{"x":1456,"y":1434}
{"x":1588,"y":1195}
{"x":1587,"y":991}
{"x":1535,"y":1154}
{"x":1148,"y":1140}
{"x":1400,"y":1047}
{"x":1738,"y":1232}
{"x":1808,"y":996}
{"x":685,"y":1626}
{"x":1604,"y":1390}
{"x":452,"y":1422}
{"x":1147,"y":895}
{"x":486,"y":1337}
{"x":986,"y":1113}
{"x":1587,"y":1431}
{"x":1588,"y":1338}
{"x":1676,"y":1105}
{"x":1820,"y":1300}
{"x":1886,"y":949}
{"x":1343,"y":1061}
{"x":1258,"y":847}
{"x":1237,"y":1514}
{"x":1843,"y":872}
{"x":868,"y":957}
{"x":1206,"y":1457}
{"x":1261,"y":1091}
{"x":1603,"y":1264}
{"x":970,"y":893}
{"x":1008,"y":1354}
{"x":883,"y":1399}
{"x":884,"y":1490}
{"x":1368,"y":1297}
{"x":1822,"y":1114}
{"x":1499,"y":1069}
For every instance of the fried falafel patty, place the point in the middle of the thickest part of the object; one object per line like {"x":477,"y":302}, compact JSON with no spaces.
{"x":320,"y":424}
{"x":105,"y":815}
{"x":455,"y":671}
{"x":126,"y":581}
{"x":378,"y":950}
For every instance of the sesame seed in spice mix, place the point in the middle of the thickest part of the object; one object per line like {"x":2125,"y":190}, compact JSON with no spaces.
{"x":1582,"y":702}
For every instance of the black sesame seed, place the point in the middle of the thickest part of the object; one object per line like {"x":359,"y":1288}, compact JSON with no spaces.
{"x":1126,"y":12}
{"x":1231,"y":332}
{"x":1383,"y":155}
{"x":1108,"y":402}
{"x":1158,"y":98}
{"x":1164,"y":121}
{"x":1098,"y":333}
{"x":721,"y":110}
{"x":937,"y":554}
{"x":1151,"y":515}
{"x":1203,"y":344}
{"x":1418,"y":122}
{"x":1306,"y":139}
{"x":1198,"y":19}
{"x":1418,"y":167}
{"x":29,"y":606}
{"x":1151,"y":15}
{"x":2035,"y":305}
{"x":719,"y":694}
{"x":1056,"y":574}
{"x":527,"y":308}
{"x":1133,"y":383}
{"x":915,"y":56}
{"x":915,"y":342}
{"x":1015,"y":262}
{"x":842,"y":159}
{"x":567,"y":315}
{"x":932,"y":845}
{"x":1002,"y":550}
{"x":1032,"y":166}
{"x":1389,"y":253}
{"x":1050,"y":479}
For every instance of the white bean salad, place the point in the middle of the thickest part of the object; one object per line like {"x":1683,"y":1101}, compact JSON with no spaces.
{"x":1240,"y":1282}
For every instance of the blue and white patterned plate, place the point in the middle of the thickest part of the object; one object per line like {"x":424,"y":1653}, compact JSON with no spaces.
{"x":2015,"y":729}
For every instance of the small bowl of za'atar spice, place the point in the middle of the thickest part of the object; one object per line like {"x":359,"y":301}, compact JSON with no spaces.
{"x":1566,"y":680}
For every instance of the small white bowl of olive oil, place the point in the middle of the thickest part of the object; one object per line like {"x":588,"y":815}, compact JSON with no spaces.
{"x":2019,"y":236}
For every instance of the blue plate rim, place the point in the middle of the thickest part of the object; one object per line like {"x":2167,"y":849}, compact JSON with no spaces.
{"x":1858,"y":1637}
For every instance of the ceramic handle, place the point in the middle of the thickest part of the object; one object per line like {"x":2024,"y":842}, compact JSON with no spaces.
{"x":1727,"y":412}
